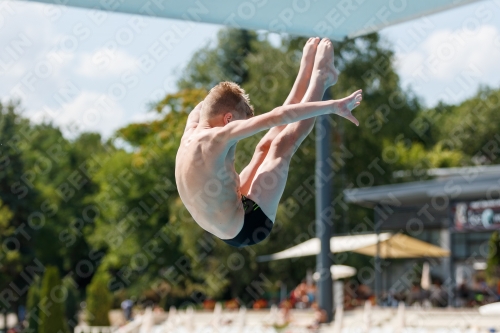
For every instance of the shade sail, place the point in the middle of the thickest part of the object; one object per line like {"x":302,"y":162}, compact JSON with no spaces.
{"x":391,"y":246}
{"x":333,"y":18}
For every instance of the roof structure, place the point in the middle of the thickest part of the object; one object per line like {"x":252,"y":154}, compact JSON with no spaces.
{"x":391,"y":246}
{"x":458,"y":184}
{"x":335,"y":19}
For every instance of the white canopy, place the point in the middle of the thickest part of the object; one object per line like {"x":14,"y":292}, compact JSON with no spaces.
{"x":337,"y":244}
{"x":390,"y":246}
{"x":333,"y":18}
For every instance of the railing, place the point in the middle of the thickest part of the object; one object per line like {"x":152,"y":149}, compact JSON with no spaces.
{"x":95,"y":329}
{"x":140,"y":323}
{"x":132,"y":327}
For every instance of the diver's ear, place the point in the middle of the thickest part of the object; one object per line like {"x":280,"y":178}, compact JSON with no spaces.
{"x":228,"y":117}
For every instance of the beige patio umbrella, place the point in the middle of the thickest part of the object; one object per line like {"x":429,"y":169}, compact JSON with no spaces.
{"x":402,"y":246}
{"x":390,"y":245}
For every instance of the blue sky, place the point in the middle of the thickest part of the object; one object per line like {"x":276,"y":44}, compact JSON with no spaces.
{"x":88,"y":71}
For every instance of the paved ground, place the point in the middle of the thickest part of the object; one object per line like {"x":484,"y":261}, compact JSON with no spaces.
{"x":418,"y":320}
{"x":381,"y":320}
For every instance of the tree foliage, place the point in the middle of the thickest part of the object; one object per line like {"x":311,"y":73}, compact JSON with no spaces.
{"x":222,"y":62}
{"x":52,"y":296}
{"x":99,"y":300}
{"x":32,"y":306}
{"x":17,"y":199}
{"x":72,"y":302}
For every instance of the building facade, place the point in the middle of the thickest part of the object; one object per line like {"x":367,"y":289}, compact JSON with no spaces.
{"x":458,"y":210}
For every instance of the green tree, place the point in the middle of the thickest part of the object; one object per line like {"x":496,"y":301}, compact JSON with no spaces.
{"x":138,"y":202}
{"x":6,"y":230}
{"x":226,"y":61}
{"x":32,"y":306}
{"x":52,"y":296}
{"x":62,"y":175}
{"x":413,"y":158}
{"x":17,"y":197}
{"x":471,"y":127}
{"x":71,"y":302}
{"x":46,"y":186}
{"x":99,"y":300}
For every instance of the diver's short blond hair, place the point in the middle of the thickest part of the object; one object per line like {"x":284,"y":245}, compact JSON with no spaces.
{"x":227,"y":97}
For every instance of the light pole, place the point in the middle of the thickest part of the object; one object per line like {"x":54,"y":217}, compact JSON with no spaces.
{"x":323,"y":183}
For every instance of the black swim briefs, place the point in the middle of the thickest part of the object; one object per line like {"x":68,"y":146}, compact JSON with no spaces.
{"x":256,"y":225}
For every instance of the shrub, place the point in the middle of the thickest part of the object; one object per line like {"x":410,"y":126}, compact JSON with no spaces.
{"x":32,"y":302}
{"x":52,"y":297}
{"x":99,"y":300}
{"x":72,"y":301}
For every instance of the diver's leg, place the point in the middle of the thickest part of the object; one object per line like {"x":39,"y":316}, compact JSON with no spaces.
{"x":295,"y":96}
{"x":269,"y":181}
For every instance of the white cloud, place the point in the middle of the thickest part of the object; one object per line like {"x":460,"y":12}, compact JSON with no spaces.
{"x":144,"y":117}
{"x":67,"y":47}
{"x":449,"y":65}
{"x":87,"y":112}
{"x":29,"y":47}
{"x":104,"y":63}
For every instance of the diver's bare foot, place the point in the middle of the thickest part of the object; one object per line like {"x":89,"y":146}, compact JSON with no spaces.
{"x":323,"y":63}
{"x":345,"y":105}
{"x":308,"y":54}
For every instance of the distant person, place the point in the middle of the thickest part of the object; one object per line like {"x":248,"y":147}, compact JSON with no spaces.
{"x":241,"y":209}
{"x":311,"y":293}
{"x":416,"y":295}
{"x":300,"y":295}
{"x":158,"y":309}
{"x":320,"y":317}
{"x":464,"y":294}
{"x":364,"y":292}
{"x":127,"y":306}
{"x":438,"y":295}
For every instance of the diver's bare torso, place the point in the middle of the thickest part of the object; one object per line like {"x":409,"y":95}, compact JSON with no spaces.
{"x":208,"y":183}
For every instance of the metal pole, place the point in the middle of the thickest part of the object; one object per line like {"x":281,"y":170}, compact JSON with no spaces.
{"x":5,"y":319}
{"x":452,"y":281}
{"x":324,"y":214}
{"x":378,"y":269}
